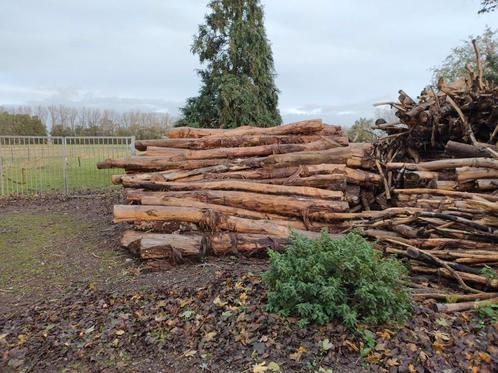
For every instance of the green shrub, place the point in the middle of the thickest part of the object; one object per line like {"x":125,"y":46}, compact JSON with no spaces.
{"x":346,"y":279}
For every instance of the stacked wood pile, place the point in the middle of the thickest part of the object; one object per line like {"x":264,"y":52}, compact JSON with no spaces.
{"x":440,"y":164}
{"x":214,"y":191}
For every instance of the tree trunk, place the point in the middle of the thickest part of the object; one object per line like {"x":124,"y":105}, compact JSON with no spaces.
{"x":299,"y":128}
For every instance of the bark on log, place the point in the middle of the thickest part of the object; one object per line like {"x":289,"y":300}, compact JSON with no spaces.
{"x":449,"y":193}
{"x":235,"y":185}
{"x":154,"y":200}
{"x":211,"y":142}
{"x":239,"y":152}
{"x":299,"y":128}
{"x":473,"y":173}
{"x":465,"y":306}
{"x":462,"y":150}
{"x":445,"y":164}
{"x":288,"y":206}
{"x":209,"y":219}
{"x":177,"y":247}
{"x":487,"y":184}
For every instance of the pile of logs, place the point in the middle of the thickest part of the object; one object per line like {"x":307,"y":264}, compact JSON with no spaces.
{"x":426,"y":192}
{"x":213,"y":191}
{"x":440,"y":163}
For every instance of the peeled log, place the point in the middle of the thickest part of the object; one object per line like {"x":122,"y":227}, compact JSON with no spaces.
{"x":298,"y":128}
{"x":235,"y":185}
{"x":208,"y":219}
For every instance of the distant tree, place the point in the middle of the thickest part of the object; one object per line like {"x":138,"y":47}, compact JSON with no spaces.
{"x":488,"y":6}
{"x":21,"y":125}
{"x":238,"y":86}
{"x":454,"y":66}
{"x":361,"y":131}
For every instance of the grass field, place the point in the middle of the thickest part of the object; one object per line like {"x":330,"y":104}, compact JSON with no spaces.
{"x":33,"y":168}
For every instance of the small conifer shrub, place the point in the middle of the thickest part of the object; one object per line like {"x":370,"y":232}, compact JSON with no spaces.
{"x":345,"y":279}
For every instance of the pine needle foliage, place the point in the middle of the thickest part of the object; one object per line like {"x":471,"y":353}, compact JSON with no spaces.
{"x":325,"y":279}
{"x":238,"y":86}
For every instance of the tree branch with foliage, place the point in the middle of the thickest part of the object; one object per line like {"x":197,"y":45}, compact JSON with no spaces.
{"x":454,"y":67}
{"x":488,"y":6}
{"x":238,"y":86}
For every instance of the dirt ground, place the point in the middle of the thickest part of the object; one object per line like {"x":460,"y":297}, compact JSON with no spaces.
{"x":72,"y":300}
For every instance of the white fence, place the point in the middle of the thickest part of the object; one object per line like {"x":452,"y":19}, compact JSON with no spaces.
{"x":36,"y":164}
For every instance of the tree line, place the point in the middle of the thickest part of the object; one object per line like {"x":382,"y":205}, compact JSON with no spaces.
{"x":61,"y":120}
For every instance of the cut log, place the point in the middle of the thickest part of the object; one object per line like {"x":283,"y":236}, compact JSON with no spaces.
{"x":239,"y":152}
{"x":177,"y":247}
{"x":459,"y":149}
{"x":473,"y":173}
{"x":151,"y":199}
{"x":487,"y":184}
{"x":445,"y":164}
{"x":235,"y":185}
{"x":299,"y":128}
{"x":211,"y":142}
{"x":465,"y":306}
{"x":209,"y":219}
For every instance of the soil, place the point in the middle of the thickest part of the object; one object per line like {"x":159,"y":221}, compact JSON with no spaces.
{"x":72,"y":300}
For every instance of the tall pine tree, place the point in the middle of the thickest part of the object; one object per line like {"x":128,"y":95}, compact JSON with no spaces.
{"x":238,"y":86}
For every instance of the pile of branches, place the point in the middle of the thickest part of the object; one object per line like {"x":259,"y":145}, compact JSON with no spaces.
{"x":465,"y":111}
{"x":440,"y":164}
{"x":212,"y":191}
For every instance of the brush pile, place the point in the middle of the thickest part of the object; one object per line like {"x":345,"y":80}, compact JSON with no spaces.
{"x":214,"y":191}
{"x":440,"y":163}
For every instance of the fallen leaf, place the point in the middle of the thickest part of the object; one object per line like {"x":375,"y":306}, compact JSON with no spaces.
{"x":259,"y":368}
{"x":120,"y":332}
{"x":385,"y":334}
{"x":438,"y":346}
{"x":485,"y":357}
{"x":243,"y":297}
{"x":326,"y":345}
{"x":209,"y":336}
{"x":374,"y":357}
{"x":412,"y":347}
{"x":392,"y":362}
{"x":350,"y":345}
{"x":296,"y":356}
{"x":21,"y":339}
{"x":411,"y":368}
{"x":190,"y":353}
{"x":274,"y":367}
{"x":218,"y":302}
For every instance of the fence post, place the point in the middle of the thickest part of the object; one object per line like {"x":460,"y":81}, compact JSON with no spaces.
{"x":132,"y":145}
{"x":2,"y":187}
{"x":65,"y":165}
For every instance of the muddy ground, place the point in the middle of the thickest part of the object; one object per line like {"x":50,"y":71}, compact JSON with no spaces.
{"x":72,"y":300}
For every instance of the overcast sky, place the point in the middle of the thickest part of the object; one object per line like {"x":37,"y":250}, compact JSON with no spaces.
{"x":333,"y":58}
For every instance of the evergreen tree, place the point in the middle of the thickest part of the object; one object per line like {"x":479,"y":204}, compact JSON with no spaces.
{"x":238,"y":86}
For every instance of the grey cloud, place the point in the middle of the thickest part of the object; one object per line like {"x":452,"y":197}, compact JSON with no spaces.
{"x":333,"y":58}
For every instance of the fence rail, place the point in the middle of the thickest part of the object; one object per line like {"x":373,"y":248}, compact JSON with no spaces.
{"x":35,"y":164}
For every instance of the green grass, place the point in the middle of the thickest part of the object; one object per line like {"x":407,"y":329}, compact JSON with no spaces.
{"x":43,"y":251}
{"x":40,"y":168}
